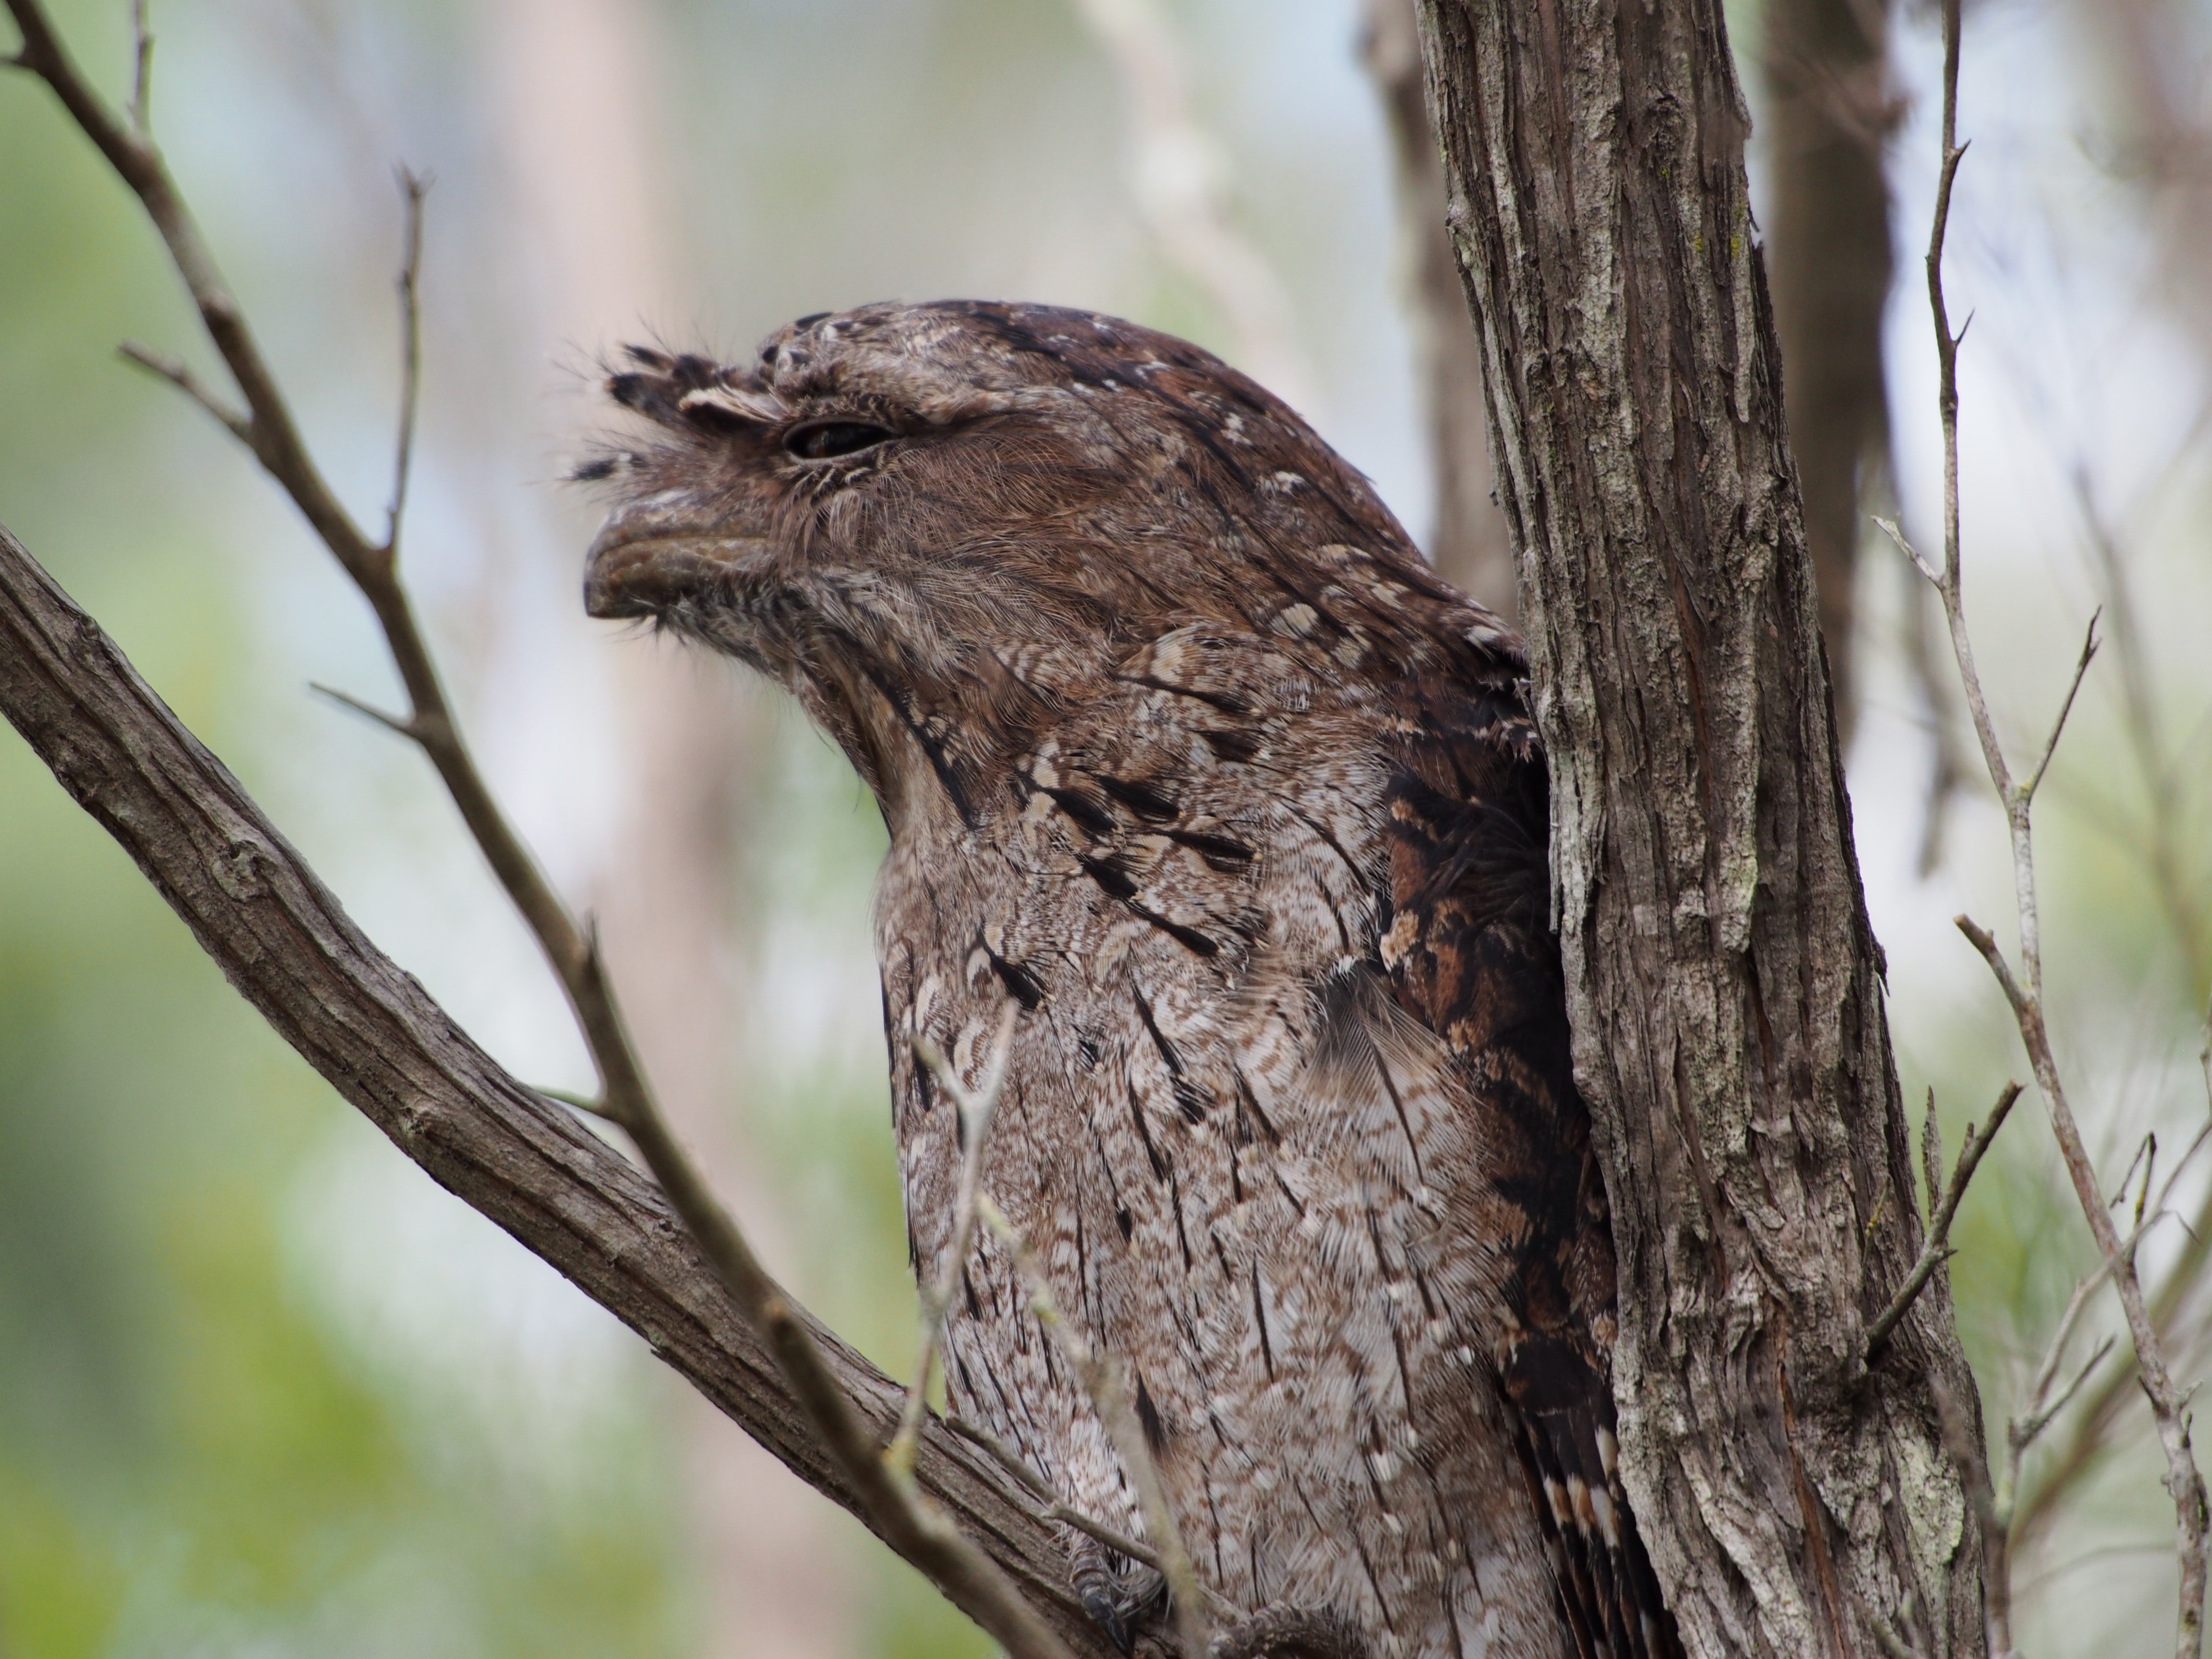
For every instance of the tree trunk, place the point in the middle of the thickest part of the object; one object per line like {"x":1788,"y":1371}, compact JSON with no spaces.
{"x":1722,"y":981}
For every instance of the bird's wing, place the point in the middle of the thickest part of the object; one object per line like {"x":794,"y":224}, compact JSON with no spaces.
{"x":1469,"y":953}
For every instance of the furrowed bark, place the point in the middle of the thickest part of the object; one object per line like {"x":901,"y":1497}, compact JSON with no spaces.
{"x":1722,"y":981}
{"x":353,"y":1014}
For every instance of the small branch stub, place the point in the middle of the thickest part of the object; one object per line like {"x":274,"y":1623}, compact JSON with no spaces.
{"x":1937,"y":1249}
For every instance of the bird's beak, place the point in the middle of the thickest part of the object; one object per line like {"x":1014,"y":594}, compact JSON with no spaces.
{"x":651,"y":554}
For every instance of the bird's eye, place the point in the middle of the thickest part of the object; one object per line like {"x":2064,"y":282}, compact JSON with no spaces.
{"x":824,"y":439}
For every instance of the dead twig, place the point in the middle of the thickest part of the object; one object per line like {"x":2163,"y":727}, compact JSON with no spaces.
{"x":173,"y":370}
{"x":2022,"y":1431}
{"x":1937,"y":1250}
{"x":1054,"y":1509}
{"x":1143,"y":1554}
{"x":413,"y":187}
{"x":141,"y":70}
{"x":1944,"y":771}
{"x":2030,"y":1513}
{"x":398,"y":726}
{"x":2021,"y":1434}
{"x":1002,"y":1455}
{"x":1886,"y":1635}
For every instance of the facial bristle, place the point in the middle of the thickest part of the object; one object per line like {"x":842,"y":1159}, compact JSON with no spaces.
{"x":692,"y":372}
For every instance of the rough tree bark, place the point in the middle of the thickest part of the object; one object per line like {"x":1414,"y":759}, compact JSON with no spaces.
{"x":1724,"y":983}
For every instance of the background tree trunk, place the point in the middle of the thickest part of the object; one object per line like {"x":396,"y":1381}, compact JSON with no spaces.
{"x":1828,"y":112}
{"x":570,"y":84}
{"x":1465,"y":539}
{"x":1722,"y":978}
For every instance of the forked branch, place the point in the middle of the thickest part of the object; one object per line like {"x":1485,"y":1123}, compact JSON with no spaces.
{"x":974,"y":1110}
{"x":1937,"y":1250}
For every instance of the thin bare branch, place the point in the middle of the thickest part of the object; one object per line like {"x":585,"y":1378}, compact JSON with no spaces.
{"x":587,"y":1104}
{"x":394,"y":723}
{"x":173,"y":370}
{"x":1945,"y":772}
{"x":2147,"y":1147}
{"x":908,"y":1521}
{"x":2072,"y":687}
{"x":2101,"y":1412}
{"x":1888,"y":527}
{"x":1002,"y":1455}
{"x":275,"y":435}
{"x":2023,"y":1434}
{"x":1054,"y":1509}
{"x":413,"y":187}
{"x":142,"y":71}
{"x":1143,"y":1554}
{"x":1102,"y":1380}
{"x":1892,"y":1645}
{"x":367,"y":1026}
{"x":1983,"y":940}
{"x":2022,"y":1431}
{"x":2054,"y":1353}
{"x":1947,"y":345}
{"x":1936,"y":1248}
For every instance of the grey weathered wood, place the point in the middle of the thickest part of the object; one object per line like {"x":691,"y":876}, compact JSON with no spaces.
{"x":362,"y":1021}
{"x":1723,"y":980}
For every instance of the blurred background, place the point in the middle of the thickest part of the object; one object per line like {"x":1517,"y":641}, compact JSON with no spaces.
{"x":265,"y":1390}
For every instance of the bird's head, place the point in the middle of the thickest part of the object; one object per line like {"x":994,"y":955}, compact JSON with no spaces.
{"x":937,"y":524}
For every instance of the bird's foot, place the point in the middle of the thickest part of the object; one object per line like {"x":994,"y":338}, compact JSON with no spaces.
{"x":1125,"y":1605}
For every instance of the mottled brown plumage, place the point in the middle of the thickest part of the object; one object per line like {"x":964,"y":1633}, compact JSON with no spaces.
{"x":1182,"y":746}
